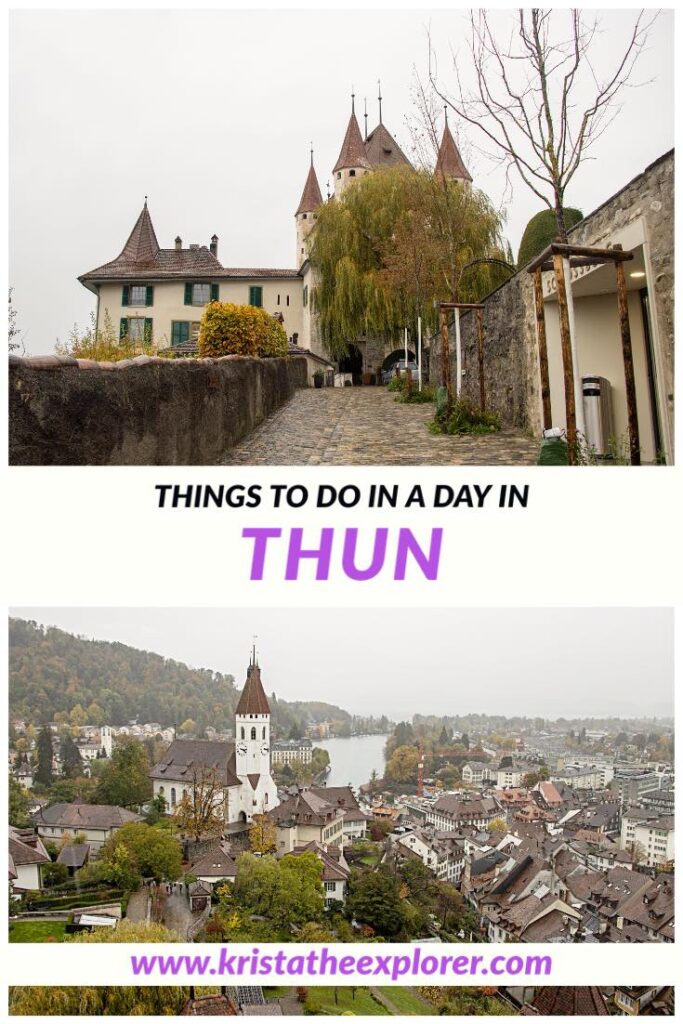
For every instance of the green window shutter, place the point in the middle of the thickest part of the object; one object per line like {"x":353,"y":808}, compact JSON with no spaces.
{"x":148,"y":330}
{"x":123,"y":329}
{"x":125,"y":297}
{"x":214,"y":293}
{"x":188,"y":294}
{"x":150,"y":295}
{"x":255,"y":295}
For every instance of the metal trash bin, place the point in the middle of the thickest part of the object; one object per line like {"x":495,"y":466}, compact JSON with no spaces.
{"x":597,"y":410}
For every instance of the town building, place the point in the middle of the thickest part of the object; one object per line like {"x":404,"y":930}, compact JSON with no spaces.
{"x":237,"y":771}
{"x":27,"y":858}
{"x":96,"y":822}
{"x":452,"y":812}
{"x":287,"y":751}
{"x":648,"y":834}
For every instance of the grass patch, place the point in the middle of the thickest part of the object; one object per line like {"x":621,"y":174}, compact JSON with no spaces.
{"x":275,"y":992}
{"x":37,"y":931}
{"x":408,"y":1002}
{"x":361,"y":1003}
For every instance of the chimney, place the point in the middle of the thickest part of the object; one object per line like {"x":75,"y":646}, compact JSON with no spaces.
{"x":214,"y":245}
{"x":178,"y":243}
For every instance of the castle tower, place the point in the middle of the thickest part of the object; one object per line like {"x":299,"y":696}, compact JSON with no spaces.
{"x":352,"y":161}
{"x":381,"y":148}
{"x":252,"y":726}
{"x":449,"y":162}
{"x":306,"y":213}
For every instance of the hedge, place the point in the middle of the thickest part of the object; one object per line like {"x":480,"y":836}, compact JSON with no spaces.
{"x":540,"y":232}
{"x":228,"y":329}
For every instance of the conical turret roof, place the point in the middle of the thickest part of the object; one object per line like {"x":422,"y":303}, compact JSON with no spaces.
{"x":449,"y":162}
{"x":353,"y":148}
{"x":382,"y":149}
{"x":311,"y":197}
{"x":142,"y":245}
{"x":253,"y":700}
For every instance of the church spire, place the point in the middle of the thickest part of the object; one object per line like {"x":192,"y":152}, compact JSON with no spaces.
{"x":449,"y":163}
{"x":253,"y":700}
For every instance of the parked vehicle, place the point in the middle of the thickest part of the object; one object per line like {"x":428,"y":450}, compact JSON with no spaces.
{"x":399,"y":368}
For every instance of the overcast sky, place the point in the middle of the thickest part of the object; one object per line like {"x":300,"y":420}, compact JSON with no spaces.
{"x":547,"y":662}
{"x":211,"y":114}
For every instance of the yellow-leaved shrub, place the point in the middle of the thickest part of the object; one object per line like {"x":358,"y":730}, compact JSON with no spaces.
{"x":227,"y":329}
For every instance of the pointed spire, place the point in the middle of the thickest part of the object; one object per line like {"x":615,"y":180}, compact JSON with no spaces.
{"x":449,"y":162}
{"x":353,"y":150}
{"x":365,"y":115}
{"x":379,"y":99}
{"x":311,"y":197}
{"x":142,"y":245}
{"x":253,"y":700}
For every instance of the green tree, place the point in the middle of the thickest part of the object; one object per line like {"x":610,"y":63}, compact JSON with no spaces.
{"x":139,"y":851}
{"x":54,"y":874}
{"x":374,"y":899}
{"x":43,"y":774}
{"x":101,"y":1000}
{"x":125,"y":779}
{"x":72,"y":763}
{"x":18,"y":804}
{"x":287,"y":892}
{"x":541,"y":231}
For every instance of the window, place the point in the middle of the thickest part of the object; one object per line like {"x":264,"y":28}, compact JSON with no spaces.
{"x":242,"y":733}
{"x":173,"y":797}
{"x":137,"y":329}
{"x":305,"y":216}
{"x":264,"y":733}
{"x":352,"y":174}
{"x":255,"y":295}
{"x":180,"y":332}
{"x":338,"y":175}
{"x":137,"y":295}
{"x":288,"y":300}
{"x":305,"y":297}
{"x":330,"y":886}
{"x":253,"y":732}
{"x":199,"y":294}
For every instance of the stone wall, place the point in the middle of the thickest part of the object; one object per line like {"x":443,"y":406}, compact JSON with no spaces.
{"x":145,"y":411}
{"x":511,"y":350}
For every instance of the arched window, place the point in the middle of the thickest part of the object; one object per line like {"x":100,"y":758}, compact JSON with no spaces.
{"x":253,"y":732}
{"x":173,"y":797}
{"x":242,"y":732}
{"x":264,"y":733}
{"x":266,"y":799}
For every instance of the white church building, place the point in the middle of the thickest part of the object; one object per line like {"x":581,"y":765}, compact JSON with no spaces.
{"x":239,"y":770}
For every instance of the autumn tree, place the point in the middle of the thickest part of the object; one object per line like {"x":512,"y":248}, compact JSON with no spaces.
{"x":402,"y":765}
{"x":263,"y":835}
{"x":201,"y":810}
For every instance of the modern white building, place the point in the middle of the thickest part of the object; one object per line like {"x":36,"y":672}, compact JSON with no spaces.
{"x":650,"y":834}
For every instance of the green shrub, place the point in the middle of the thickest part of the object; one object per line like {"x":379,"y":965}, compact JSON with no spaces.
{"x":465,"y":418}
{"x":227,"y":329}
{"x":406,"y":390}
{"x":540,"y":232}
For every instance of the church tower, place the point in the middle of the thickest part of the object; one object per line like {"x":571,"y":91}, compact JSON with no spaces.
{"x":306,"y":214}
{"x":352,"y":161}
{"x":252,"y":725}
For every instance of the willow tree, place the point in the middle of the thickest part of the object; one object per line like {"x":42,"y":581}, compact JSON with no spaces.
{"x":394,"y":243}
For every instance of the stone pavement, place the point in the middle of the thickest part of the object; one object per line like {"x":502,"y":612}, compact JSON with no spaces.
{"x":368,"y":427}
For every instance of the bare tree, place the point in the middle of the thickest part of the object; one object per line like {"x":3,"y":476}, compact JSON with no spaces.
{"x":538,"y":98}
{"x":201,"y":811}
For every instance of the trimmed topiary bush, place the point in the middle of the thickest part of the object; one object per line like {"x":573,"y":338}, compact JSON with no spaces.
{"x":230,"y":330}
{"x":540,"y":232}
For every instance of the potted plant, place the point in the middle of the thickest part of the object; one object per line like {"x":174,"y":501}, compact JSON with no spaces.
{"x":318,"y":378}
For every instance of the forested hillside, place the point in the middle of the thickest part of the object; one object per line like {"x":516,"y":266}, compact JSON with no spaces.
{"x":52,"y":671}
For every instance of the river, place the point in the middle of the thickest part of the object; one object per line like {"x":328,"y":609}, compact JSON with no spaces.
{"x":353,"y":758}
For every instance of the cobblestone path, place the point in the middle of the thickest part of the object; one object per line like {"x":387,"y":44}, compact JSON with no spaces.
{"x":367,"y":427}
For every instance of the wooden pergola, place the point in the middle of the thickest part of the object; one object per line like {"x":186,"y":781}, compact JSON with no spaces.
{"x":444,"y":307}
{"x":554,"y":258}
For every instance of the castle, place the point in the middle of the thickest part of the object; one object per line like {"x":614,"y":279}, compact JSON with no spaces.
{"x":236,"y":773}
{"x":157,"y":294}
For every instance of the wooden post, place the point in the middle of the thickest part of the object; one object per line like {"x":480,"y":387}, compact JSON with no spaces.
{"x":567,"y":359}
{"x":629,"y":375}
{"x":542,"y":349}
{"x":446,"y":360}
{"x":480,"y":354}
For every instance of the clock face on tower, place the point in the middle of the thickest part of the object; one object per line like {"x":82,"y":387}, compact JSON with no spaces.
{"x":264,"y":749}
{"x":241,"y":748}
